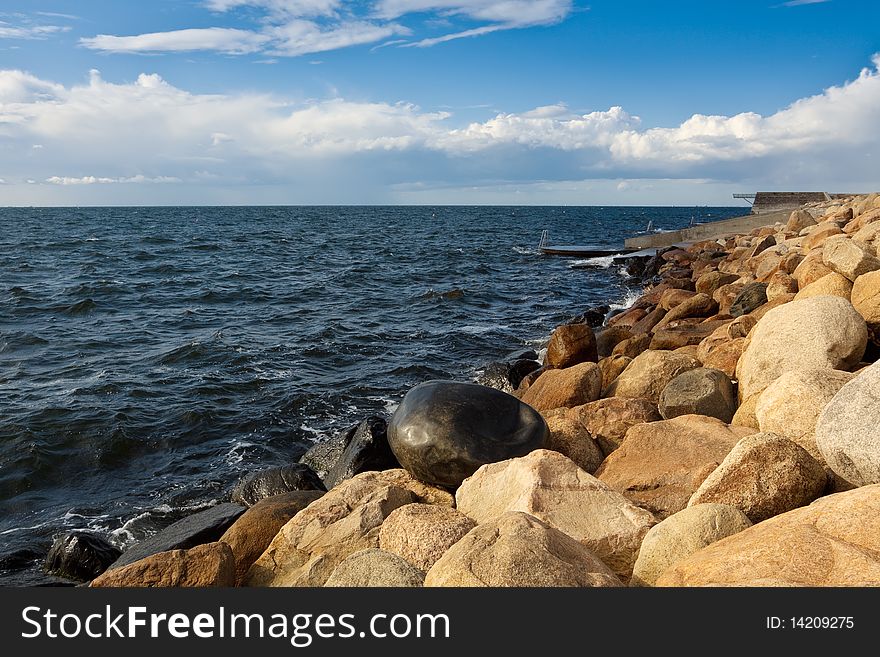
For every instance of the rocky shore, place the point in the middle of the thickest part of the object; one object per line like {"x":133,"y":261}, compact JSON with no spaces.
{"x":722,"y":430}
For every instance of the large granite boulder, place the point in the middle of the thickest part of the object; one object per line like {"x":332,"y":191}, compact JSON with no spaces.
{"x":699,"y":305}
{"x":849,"y":257}
{"x":682,"y":534}
{"x":701,"y":391}
{"x":848,"y":430}
{"x":317,"y":539}
{"x":518,"y":550}
{"x":833,"y":542}
{"x":866,"y":301}
{"x":373,"y":568}
{"x":571,"y":344}
{"x":443,"y":431}
{"x":762,"y":476}
{"x":80,"y":556}
{"x":553,"y":489}
{"x":649,"y":373}
{"x":608,"y":338}
{"x":256,"y":486}
{"x":832,"y":284}
{"x":570,"y":437}
{"x":709,"y":282}
{"x":251,"y":534}
{"x":199,"y":528}
{"x":660,"y":465}
{"x":209,"y":565}
{"x":818,"y":333}
{"x":422,"y":533}
{"x":607,"y":420}
{"x":572,"y":386}
{"x":799,"y":220}
{"x":422,"y":493}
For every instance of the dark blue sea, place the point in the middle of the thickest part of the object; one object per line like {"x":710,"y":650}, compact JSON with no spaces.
{"x":151,"y":356}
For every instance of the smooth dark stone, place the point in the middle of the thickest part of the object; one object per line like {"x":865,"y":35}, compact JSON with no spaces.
{"x":520,"y":370}
{"x":80,"y":556}
{"x":256,"y":486}
{"x":320,"y":457}
{"x":200,"y":528}
{"x":527,"y":354}
{"x":751,"y":297}
{"x":443,"y":431}
{"x":367,"y":449}
{"x":496,"y":375}
{"x":593,"y":317}
{"x":652,"y":266}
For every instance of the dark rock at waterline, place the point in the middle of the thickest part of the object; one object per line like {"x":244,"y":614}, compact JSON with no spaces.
{"x":654,"y":263}
{"x":634,"y":266}
{"x":322,"y":456}
{"x":526,"y":354}
{"x":444,"y":430}
{"x":609,"y":337}
{"x":200,"y":528}
{"x":256,"y":486}
{"x":507,"y":376}
{"x":80,"y":556}
{"x":751,"y":297}
{"x":592,"y":317}
{"x":367,"y":449}
{"x":520,"y":370}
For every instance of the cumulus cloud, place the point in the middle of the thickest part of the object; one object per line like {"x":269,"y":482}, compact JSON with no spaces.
{"x":150,"y":131}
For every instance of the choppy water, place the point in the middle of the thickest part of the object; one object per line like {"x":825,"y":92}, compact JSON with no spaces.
{"x":150,"y":356}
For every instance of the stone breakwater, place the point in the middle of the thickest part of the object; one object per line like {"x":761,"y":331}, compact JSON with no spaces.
{"x":722,"y":430}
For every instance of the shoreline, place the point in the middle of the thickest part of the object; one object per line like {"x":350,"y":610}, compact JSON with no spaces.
{"x":742,"y":352}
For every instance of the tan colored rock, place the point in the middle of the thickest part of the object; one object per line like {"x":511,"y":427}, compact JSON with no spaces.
{"x":862,"y":220}
{"x":745,"y":415}
{"x":673,"y":297}
{"x":647,"y":323}
{"x":849,"y":258}
{"x":518,"y":550}
{"x":799,"y":220}
{"x":741,"y":326}
{"x":316,"y":540}
{"x":373,"y":568}
{"x":611,"y":368}
{"x":759,"y":313}
{"x":681,"y":535}
{"x":688,"y":350}
{"x":711,"y":281}
{"x":649,"y":373}
{"x":699,"y":305}
{"x":811,"y":269}
{"x":570,"y":438}
{"x":628,"y":317}
{"x":684,"y":333}
{"x":779,"y":284}
{"x":814,"y":333}
{"x":820,"y":235}
{"x":422,"y":533}
{"x":832,"y":284}
{"x":632,"y":347}
{"x":608,"y":338}
{"x":250,"y":535}
{"x":422,"y":492}
{"x":870,"y":237}
{"x":660,"y":465}
{"x":571,"y":344}
{"x":725,"y":295}
{"x":724,"y":356}
{"x":607,"y":420}
{"x":833,"y":542}
{"x":790,"y":406}
{"x":572,"y":386}
{"x":552,"y":488}
{"x":762,"y":476}
{"x":209,"y":565}
{"x":866,"y":301}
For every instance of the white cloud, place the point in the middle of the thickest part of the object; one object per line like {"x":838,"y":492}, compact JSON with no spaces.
{"x":8,"y":31}
{"x":339,"y":150}
{"x":225,"y":40}
{"x":513,"y":13}
{"x":797,"y":3}
{"x":295,"y":8}
{"x":300,"y":37}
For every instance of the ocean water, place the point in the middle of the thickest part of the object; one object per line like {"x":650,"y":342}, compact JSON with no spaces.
{"x":151,"y":356}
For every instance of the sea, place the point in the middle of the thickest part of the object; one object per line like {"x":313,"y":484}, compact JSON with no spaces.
{"x":149,"y":357}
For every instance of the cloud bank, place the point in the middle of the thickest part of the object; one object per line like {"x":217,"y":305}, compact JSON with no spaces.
{"x":149,"y":131}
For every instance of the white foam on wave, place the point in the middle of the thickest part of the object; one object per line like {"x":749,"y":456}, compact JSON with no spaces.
{"x":523,"y":250}
{"x":628,"y":299}
{"x":599,"y":262}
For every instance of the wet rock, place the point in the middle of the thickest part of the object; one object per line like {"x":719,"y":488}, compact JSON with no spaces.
{"x":443,"y":430}
{"x":80,"y":556}
{"x":256,"y":486}
{"x":593,"y":317}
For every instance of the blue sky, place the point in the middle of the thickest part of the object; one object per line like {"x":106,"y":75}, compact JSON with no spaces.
{"x":435,"y":101}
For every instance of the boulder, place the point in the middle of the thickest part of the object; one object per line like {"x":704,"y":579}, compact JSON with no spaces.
{"x":373,"y":568}
{"x":811,"y":269}
{"x":422,"y":533}
{"x":553,"y":489}
{"x":701,"y":391}
{"x":820,"y":235}
{"x":817,"y":333}
{"x":790,"y":406}
{"x":723,"y":356}
{"x":627,"y":318}
{"x":870,"y":237}
{"x":832,"y":284}
{"x":608,"y":338}
{"x":762,"y":476}
{"x":681,"y":535}
{"x":571,"y":344}
{"x":649,"y":373}
{"x":684,"y":335}
{"x":611,"y":368}
{"x":594,"y":316}
{"x":745,"y":414}
{"x":422,"y":492}
{"x":849,"y":258}
{"x":799,"y":220}
{"x":751,"y":297}
{"x":660,"y":465}
{"x":709,"y":282}
{"x":833,"y":542}
{"x":866,"y":301}
{"x":80,"y":556}
{"x":366,"y":450}
{"x":727,"y":294}
{"x":257,"y":486}
{"x":443,"y":430}
{"x":848,"y":431}
{"x":345,"y":520}
{"x":632,"y":347}
{"x":779,"y":284}
{"x":210,"y":565}
{"x":699,"y":305}
{"x":251,"y":534}
{"x":607,"y":420}
{"x":199,"y":528}
{"x":572,"y":439}
{"x":572,"y":386}
{"x":647,"y":323}
{"x":518,"y":550}
{"x":674,"y":297}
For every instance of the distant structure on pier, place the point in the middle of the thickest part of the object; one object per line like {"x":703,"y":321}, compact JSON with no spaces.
{"x":764,"y":202}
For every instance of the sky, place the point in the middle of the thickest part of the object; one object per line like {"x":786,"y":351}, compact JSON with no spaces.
{"x":546,"y":102}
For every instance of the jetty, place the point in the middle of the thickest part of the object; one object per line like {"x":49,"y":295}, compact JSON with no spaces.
{"x":545,"y":248}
